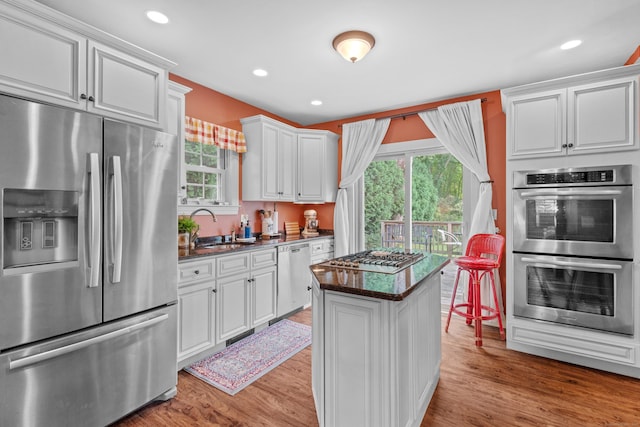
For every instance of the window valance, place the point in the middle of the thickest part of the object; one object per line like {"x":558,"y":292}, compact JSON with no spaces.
{"x":197,"y":130}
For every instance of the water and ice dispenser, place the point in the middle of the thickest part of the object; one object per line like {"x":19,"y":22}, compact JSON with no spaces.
{"x":39,"y":227}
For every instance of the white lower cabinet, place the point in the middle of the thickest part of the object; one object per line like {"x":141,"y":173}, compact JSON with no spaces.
{"x":196,"y":308}
{"x":196,"y":318}
{"x":233,"y":310}
{"x":264,"y":285}
{"x":247,"y":287}
{"x":321,"y":250}
{"x":375,"y":362}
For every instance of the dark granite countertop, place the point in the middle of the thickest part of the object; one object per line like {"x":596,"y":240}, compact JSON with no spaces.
{"x":394,"y":287}
{"x":227,"y":248}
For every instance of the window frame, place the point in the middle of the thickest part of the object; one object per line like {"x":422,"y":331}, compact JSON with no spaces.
{"x":218,"y":171}
{"x":409,"y":149}
{"x":229,"y":202}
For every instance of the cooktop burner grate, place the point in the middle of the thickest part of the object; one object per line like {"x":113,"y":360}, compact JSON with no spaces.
{"x":378,"y":260}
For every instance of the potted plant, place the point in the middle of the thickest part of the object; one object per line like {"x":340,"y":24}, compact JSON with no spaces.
{"x":186,"y":227}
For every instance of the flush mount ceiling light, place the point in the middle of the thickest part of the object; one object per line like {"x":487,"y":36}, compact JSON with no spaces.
{"x":316,"y":102}
{"x":260,"y":72}
{"x":571,"y":44}
{"x":353,"y":45}
{"x":157,"y":17}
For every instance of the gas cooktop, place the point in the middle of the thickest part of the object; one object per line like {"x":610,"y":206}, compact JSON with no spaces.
{"x":379,"y":260}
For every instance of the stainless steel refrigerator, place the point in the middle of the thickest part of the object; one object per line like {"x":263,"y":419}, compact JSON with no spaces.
{"x":88,"y":266}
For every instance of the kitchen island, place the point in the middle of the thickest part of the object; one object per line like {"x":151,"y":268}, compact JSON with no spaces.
{"x":376,"y":343}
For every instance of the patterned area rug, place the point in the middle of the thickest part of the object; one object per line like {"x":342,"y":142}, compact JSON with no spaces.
{"x":245,"y":361}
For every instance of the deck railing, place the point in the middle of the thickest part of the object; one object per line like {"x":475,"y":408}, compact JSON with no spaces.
{"x":425,"y":236}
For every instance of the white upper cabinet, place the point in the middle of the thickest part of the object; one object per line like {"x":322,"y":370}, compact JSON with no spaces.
{"x":125,"y":87}
{"x":589,"y":113}
{"x":269,"y":165}
{"x":284,"y":163}
{"x":537,"y":124}
{"x":603,"y":116}
{"x":317,"y":167}
{"x":56,"y":59}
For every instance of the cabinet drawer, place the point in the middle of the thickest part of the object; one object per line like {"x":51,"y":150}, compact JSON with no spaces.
{"x":195,"y":270}
{"x":232,"y":264}
{"x":321,"y":246}
{"x":263,"y":258}
{"x":317,"y":247}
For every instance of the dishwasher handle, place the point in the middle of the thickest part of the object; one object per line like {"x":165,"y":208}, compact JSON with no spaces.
{"x":293,"y":248}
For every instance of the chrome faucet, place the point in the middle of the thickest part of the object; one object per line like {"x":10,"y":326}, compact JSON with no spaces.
{"x":206,"y":210}
{"x":194,"y":235}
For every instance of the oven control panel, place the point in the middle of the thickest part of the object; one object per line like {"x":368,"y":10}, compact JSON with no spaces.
{"x":570,"y":177}
{"x":588,"y":176}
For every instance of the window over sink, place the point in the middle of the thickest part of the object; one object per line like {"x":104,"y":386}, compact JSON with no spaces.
{"x":209,"y":167}
{"x":204,"y":166}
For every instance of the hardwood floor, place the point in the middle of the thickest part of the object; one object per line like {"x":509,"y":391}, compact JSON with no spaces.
{"x":488,"y":386}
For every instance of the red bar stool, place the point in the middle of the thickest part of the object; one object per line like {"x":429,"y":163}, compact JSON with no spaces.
{"x":483,"y":255}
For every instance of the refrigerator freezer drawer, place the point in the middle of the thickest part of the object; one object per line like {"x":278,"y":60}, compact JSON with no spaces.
{"x":93,"y":377}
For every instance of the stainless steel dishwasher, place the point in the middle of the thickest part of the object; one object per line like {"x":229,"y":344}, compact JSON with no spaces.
{"x":294,"y":277}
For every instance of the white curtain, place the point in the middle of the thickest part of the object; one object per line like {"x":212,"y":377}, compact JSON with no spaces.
{"x":360,"y":142}
{"x":459,"y":128}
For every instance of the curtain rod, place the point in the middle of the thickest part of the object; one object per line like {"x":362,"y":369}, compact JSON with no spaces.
{"x":415,"y":113}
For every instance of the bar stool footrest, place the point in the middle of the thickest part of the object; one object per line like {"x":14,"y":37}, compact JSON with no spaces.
{"x":470,"y":316}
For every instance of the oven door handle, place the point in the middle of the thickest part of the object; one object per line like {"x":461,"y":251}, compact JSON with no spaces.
{"x":555,"y":264}
{"x":574,"y":192}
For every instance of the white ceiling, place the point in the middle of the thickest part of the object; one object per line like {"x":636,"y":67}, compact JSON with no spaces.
{"x":426,"y":50}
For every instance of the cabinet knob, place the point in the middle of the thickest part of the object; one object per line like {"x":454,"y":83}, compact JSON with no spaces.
{"x":308,"y":288}
{"x":564,"y":145}
{"x":91,"y":98}
{"x":83,"y":96}
{"x":570,"y":145}
{"x":196,"y":272}
{"x":214,"y":290}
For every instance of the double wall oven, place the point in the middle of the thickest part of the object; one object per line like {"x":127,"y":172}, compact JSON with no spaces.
{"x":573,"y":247}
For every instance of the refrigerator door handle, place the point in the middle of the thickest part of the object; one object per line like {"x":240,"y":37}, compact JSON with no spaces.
{"x":95,"y":230}
{"x":117,"y":215}
{"x":46,"y":355}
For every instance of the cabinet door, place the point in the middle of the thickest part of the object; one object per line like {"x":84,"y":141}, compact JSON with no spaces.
{"x":264,"y":287}
{"x":196,"y":318}
{"x":603,"y":116}
{"x":537,"y":125}
{"x":270,"y":173}
{"x":353,"y":360}
{"x":126,"y":87}
{"x":40,"y":60}
{"x":287,"y":156}
{"x":311,"y":168}
{"x":233,"y":305}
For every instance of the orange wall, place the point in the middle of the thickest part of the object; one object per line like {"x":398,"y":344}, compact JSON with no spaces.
{"x":412,"y":128}
{"x":634,"y":57}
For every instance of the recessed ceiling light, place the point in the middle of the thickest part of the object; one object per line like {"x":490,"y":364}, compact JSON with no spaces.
{"x":157,"y":17}
{"x":260,"y":72}
{"x":316,"y":102}
{"x":571,"y":44}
